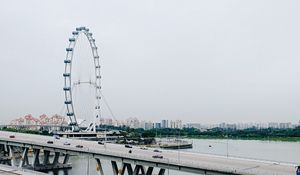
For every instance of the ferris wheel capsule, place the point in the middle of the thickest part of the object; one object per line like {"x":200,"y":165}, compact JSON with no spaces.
{"x":67,"y":88}
{"x":67,"y":61}
{"x":69,"y":49}
{"x":68,"y":102}
{"x":66,"y":74}
{"x":70,"y":114}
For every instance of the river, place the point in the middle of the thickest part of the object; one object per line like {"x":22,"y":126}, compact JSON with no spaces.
{"x":287,"y":152}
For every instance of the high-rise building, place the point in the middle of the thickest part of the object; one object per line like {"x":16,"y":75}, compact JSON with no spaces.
{"x":176,"y":124}
{"x":285,"y":125}
{"x":164,"y":124}
{"x":157,"y":125}
{"x":148,"y":125}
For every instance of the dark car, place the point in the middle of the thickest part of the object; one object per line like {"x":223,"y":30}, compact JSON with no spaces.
{"x":101,"y":143}
{"x":157,"y":151}
{"x":67,"y":143}
{"x":50,"y":142}
{"x":128,"y":146}
{"x":144,"y":148}
{"x":157,"y":157}
{"x":12,"y":136}
{"x":79,"y":146}
{"x":56,"y":137}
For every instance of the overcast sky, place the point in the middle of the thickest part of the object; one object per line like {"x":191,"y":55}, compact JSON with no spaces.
{"x":202,"y":61}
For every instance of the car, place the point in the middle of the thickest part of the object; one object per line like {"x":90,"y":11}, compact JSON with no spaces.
{"x":144,"y":148}
{"x":56,"y":137}
{"x":157,"y":157}
{"x":12,"y":136}
{"x":50,"y":142}
{"x":67,"y":143}
{"x":157,"y":151}
{"x":128,"y":146}
{"x":79,"y":146}
{"x":101,"y":143}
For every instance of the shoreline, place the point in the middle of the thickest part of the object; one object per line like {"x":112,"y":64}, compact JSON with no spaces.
{"x":275,"y":139}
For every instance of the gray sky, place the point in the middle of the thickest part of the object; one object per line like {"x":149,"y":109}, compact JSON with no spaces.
{"x":202,"y":61}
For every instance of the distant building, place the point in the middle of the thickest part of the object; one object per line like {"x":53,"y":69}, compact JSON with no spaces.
{"x":285,"y":125}
{"x":273,"y":125}
{"x":148,"y":125}
{"x":164,"y":124}
{"x":157,"y":125}
{"x":176,"y":124}
{"x":133,"y":122}
{"x":41,"y":120}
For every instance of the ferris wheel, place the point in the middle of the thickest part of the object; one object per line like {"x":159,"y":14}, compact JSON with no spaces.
{"x":69,"y":84}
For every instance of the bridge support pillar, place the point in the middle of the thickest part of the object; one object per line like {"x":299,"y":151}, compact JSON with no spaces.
{"x":12,"y":156}
{"x":115,"y":167}
{"x":56,"y":158}
{"x":122,"y":170}
{"x":46,"y":157}
{"x":24,"y":159}
{"x":162,"y":171}
{"x":138,"y":169}
{"x":99,"y":167}
{"x":6,"y":148}
{"x":36,"y":158}
{"x":66,"y":159}
{"x":149,"y":171}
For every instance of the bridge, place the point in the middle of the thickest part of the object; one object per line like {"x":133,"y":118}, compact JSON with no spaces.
{"x":139,"y":161}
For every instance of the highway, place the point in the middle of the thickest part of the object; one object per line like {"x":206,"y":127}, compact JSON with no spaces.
{"x":183,"y":160}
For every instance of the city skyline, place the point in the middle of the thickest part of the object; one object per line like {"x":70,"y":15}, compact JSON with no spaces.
{"x":134,"y":122}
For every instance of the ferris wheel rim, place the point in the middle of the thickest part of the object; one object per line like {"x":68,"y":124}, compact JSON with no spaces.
{"x":68,"y":73}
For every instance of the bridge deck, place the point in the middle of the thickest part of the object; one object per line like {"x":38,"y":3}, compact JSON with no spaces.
{"x":183,"y":161}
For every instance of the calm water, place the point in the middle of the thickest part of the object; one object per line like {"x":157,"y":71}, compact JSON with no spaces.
{"x":288,"y":152}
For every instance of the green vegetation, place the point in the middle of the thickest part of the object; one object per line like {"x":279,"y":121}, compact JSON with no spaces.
{"x":219,"y":133}
{"x":25,"y":131}
{"x":215,"y":133}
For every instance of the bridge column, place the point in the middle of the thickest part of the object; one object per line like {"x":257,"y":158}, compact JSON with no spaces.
{"x":139,"y":168}
{"x":56,"y":158}
{"x":149,"y":170}
{"x":115,"y":168}
{"x":66,"y":158}
{"x":5,"y":148}
{"x":36,"y":158}
{"x":46,"y":157}
{"x":129,"y":168}
{"x":162,"y":171}
{"x":125,"y":166}
{"x":24,"y":159}
{"x":12,"y":156}
{"x":99,"y":166}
